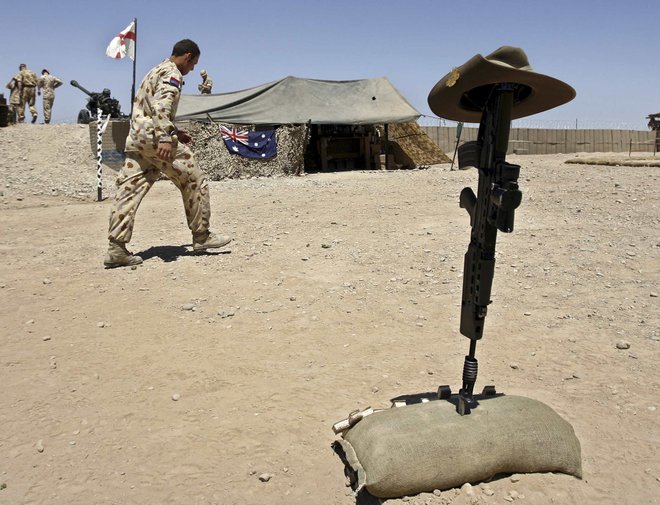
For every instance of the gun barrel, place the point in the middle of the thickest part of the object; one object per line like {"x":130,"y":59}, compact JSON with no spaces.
{"x":75,"y":84}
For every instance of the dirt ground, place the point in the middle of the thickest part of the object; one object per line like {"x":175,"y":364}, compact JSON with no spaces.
{"x":216,"y":379}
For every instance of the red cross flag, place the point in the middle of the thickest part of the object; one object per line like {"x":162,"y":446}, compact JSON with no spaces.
{"x":123,"y":44}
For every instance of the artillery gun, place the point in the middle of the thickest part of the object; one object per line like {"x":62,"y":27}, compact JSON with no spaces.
{"x":103,"y":100}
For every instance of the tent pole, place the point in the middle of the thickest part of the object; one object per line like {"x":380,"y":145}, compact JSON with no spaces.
{"x":387,"y":146}
{"x":134,"y":61}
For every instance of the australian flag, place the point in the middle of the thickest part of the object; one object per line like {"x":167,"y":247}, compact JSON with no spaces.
{"x":260,"y":144}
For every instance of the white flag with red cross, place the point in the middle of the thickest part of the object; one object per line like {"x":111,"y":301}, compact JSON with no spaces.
{"x":123,"y":44}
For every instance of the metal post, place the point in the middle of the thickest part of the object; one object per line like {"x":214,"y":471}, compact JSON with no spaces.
{"x":99,"y":155}
{"x":459,"y":129}
{"x":387,"y":147}
{"x":101,"y":125}
{"x":134,"y":61}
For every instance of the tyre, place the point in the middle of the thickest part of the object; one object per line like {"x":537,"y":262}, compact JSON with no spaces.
{"x":84,"y":117}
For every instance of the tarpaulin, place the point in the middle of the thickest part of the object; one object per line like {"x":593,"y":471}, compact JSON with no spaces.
{"x":294,"y":100}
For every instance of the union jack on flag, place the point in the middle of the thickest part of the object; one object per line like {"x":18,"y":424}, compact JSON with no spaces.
{"x":234,"y":134}
{"x":260,"y":144}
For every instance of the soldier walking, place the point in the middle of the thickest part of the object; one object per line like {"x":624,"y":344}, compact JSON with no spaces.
{"x":207,"y":83}
{"x":48,"y":83}
{"x":155,"y":145}
{"x":14,"y":99}
{"x":27,"y":82}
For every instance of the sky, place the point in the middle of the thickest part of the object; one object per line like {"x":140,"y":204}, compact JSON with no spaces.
{"x":608,"y":50}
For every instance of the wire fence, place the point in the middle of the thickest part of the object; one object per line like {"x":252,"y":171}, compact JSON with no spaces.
{"x":545,"y":124}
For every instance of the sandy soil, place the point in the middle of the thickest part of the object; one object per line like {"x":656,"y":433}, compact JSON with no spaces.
{"x":187,"y":379}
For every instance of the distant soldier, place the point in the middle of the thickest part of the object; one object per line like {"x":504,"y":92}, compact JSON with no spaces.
{"x":27,"y":83}
{"x":14,"y":99}
{"x":48,"y":83}
{"x":207,"y":83}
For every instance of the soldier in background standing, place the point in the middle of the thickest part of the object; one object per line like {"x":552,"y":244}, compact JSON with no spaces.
{"x":207,"y":83}
{"x":48,"y":83}
{"x":14,"y":99}
{"x":27,"y":83}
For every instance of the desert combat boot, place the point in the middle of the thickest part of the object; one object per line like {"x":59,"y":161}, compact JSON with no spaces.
{"x":118,"y":256}
{"x":209,"y":240}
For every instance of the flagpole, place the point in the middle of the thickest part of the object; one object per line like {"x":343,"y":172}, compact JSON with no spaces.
{"x":134,"y":60}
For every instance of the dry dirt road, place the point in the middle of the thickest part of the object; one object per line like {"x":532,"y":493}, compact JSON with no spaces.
{"x":185,"y":380}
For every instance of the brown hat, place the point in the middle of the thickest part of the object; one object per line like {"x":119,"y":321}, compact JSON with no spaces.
{"x":461,"y":94}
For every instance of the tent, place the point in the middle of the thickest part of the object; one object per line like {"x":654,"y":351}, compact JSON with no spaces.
{"x":293,"y":100}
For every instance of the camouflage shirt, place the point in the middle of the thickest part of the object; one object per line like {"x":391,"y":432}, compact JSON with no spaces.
{"x":155,"y":106}
{"x":27,"y":78}
{"x":206,"y":86}
{"x":48,"y":83}
{"x":15,"y":96}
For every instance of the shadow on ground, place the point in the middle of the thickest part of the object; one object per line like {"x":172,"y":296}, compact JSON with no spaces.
{"x":169,"y":253}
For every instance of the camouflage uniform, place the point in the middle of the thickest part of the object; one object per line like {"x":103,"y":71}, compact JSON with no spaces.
{"x":48,"y":83}
{"x":206,"y":86}
{"x":154,"y":110}
{"x":28,"y":83}
{"x":14,"y":98}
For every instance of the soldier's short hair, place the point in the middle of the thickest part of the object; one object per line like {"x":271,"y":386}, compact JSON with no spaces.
{"x":45,"y":71}
{"x":22,"y":65}
{"x":186,"y":46}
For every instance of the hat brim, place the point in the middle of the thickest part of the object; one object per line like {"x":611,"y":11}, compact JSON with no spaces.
{"x":447,"y":99}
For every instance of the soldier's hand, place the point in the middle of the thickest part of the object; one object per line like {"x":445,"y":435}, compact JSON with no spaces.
{"x":164,"y":151}
{"x":184,"y":137}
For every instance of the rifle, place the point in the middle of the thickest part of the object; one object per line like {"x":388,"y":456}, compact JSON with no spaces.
{"x":490,"y":210}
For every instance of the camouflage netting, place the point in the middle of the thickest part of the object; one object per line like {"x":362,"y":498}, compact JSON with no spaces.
{"x":412,"y":147}
{"x":214,"y":158}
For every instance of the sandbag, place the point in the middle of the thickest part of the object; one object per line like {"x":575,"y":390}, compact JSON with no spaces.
{"x":419,"y":448}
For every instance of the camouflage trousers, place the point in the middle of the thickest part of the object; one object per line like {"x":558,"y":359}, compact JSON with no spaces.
{"x":13,"y":112}
{"x":27,"y":98}
{"x":48,"y":107}
{"x":140,"y":171}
